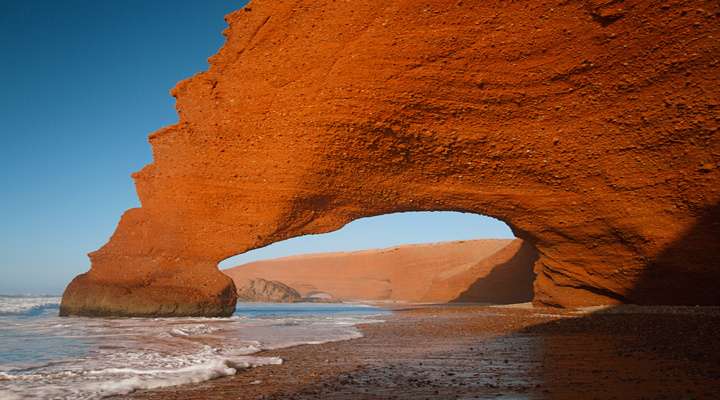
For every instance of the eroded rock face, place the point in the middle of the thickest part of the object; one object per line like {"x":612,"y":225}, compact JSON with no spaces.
{"x":590,"y":127}
{"x":262,"y":290}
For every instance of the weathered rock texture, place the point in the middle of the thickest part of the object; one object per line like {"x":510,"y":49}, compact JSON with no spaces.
{"x":588,"y":126}
{"x":437,"y":272}
{"x":258,"y":289}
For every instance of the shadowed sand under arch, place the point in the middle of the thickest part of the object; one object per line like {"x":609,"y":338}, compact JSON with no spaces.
{"x":509,"y":281}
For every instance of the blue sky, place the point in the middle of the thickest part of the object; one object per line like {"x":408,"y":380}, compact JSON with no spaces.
{"x":384,"y":231}
{"x":82,"y":85}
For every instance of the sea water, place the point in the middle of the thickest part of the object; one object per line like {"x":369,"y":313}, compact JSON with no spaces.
{"x":43,"y":356}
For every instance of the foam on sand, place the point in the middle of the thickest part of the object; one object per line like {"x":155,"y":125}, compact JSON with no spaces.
{"x":44,"y":356}
{"x":194,"y":374}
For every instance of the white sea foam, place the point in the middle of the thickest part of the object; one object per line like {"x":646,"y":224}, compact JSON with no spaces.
{"x":43,"y":356}
{"x":193,"y":330}
{"x":152,"y":379}
{"x":21,"y":305}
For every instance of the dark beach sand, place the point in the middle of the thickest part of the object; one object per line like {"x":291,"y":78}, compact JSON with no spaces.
{"x":478,"y":352}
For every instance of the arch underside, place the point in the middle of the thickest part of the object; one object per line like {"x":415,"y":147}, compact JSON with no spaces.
{"x":593,"y":138}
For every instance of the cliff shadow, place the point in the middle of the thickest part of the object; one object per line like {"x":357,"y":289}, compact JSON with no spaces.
{"x":688,"y":271}
{"x":507,"y":283}
{"x":659,"y":345}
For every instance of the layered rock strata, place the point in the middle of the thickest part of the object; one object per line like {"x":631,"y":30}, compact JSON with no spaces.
{"x":590,"y":127}
{"x":262,"y":290}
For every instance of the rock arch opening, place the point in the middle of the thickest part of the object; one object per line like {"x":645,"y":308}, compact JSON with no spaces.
{"x":399,"y":257}
{"x":604,"y":178}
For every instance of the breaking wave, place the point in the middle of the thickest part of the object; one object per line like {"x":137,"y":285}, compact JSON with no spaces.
{"x":44,"y":356}
{"x":27,"y":305}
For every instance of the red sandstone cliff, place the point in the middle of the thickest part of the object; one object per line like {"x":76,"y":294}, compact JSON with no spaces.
{"x":438,"y":272}
{"x":588,"y":126}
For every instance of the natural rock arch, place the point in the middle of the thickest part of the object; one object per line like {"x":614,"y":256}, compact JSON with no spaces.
{"x":589,"y":127}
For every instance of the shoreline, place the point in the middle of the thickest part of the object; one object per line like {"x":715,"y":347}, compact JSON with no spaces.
{"x":480,"y":351}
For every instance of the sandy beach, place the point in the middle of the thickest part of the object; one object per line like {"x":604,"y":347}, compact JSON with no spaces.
{"x":478,"y":352}
{"x":368,"y":199}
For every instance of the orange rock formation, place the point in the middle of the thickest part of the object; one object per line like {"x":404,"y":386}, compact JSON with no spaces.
{"x":262,"y":290}
{"x":590,"y":127}
{"x":438,"y":272}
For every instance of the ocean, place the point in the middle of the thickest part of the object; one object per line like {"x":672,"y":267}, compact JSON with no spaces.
{"x":43,"y":356}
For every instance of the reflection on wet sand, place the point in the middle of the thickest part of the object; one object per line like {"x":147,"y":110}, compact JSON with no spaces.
{"x":445,"y":352}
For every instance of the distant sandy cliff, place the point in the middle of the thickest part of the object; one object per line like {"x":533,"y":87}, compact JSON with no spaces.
{"x":497,"y":271}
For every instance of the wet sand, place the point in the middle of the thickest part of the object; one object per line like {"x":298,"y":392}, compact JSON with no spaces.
{"x":478,"y":352}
